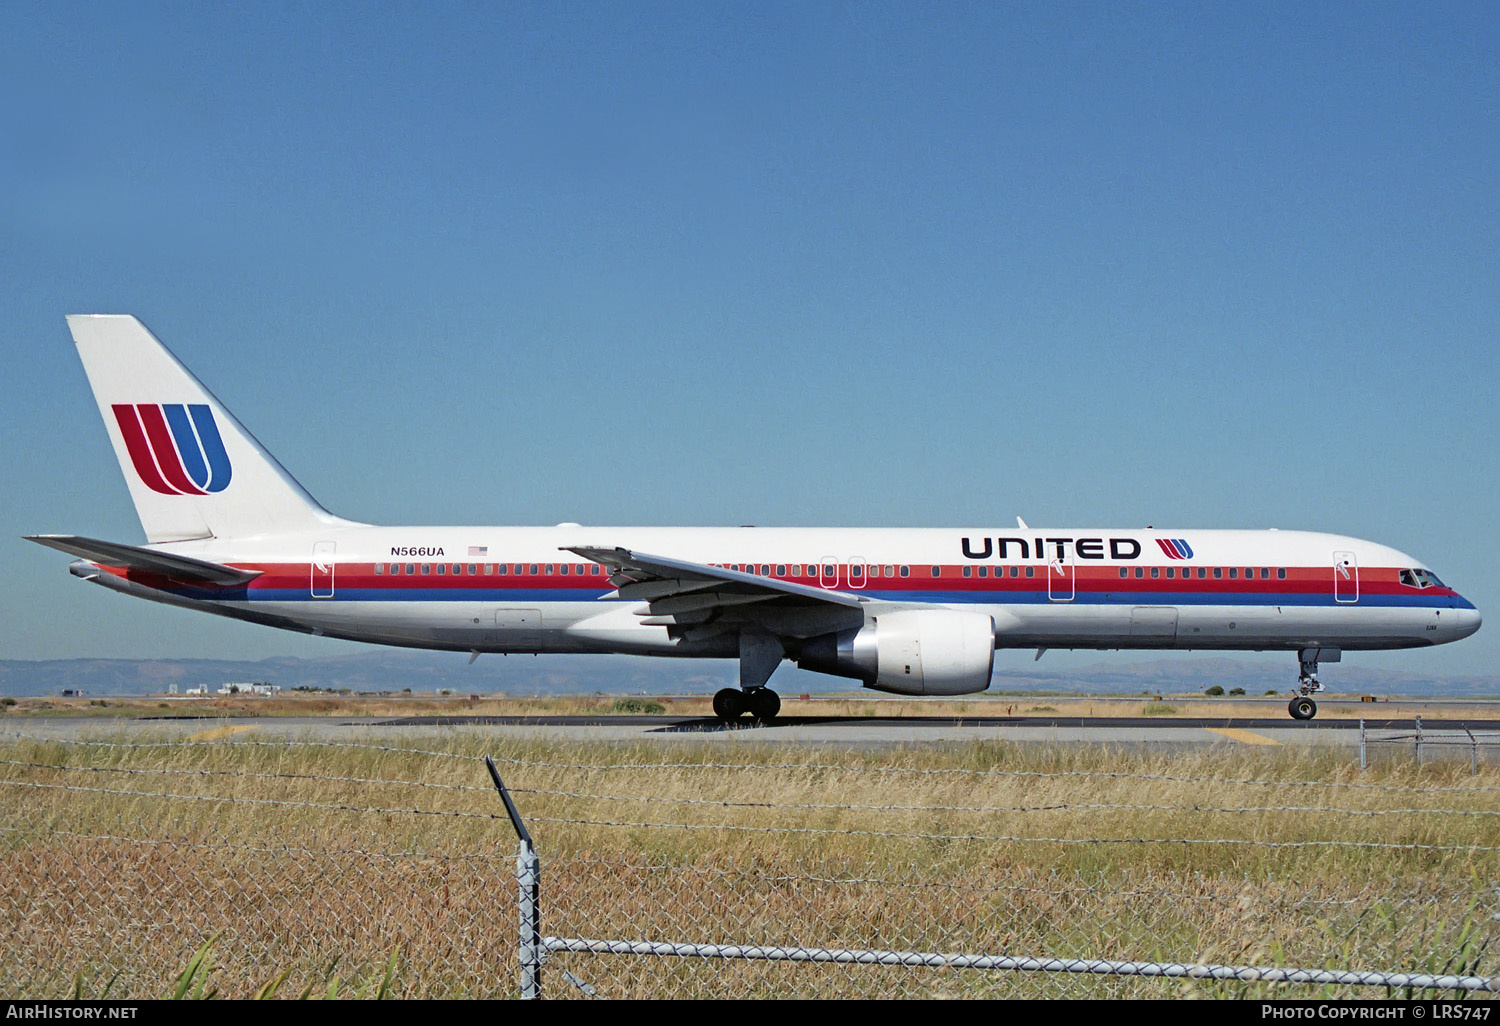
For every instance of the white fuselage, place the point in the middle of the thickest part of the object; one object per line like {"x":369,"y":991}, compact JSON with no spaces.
{"x":505,"y":589}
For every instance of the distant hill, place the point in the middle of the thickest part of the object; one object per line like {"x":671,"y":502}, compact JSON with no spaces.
{"x":393,"y":670}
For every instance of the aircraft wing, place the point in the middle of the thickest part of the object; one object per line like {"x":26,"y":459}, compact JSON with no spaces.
{"x":183,"y":568}
{"x":679,"y":593}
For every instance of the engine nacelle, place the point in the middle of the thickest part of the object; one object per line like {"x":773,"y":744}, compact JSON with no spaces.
{"x":911,"y":652}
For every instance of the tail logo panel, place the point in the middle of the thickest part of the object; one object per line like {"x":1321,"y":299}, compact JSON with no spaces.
{"x":175,"y":448}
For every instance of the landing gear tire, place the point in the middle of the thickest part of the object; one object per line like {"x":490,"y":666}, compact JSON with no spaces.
{"x":764,"y":704}
{"x":729,"y":704}
{"x":1302,"y":708}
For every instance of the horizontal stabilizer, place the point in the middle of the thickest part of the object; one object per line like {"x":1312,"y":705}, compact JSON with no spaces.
{"x":136,"y":558}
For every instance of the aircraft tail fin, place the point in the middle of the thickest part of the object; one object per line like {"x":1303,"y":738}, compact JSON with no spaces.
{"x":192,"y":468}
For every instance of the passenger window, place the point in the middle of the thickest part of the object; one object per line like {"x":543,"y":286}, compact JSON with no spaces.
{"x":489,"y":569}
{"x":937,"y":571}
{"x":563,"y":569}
{"x":856,"y":570}
{"x":1171,"y":572}
{"x":1281,"y":573}
{"x":829,"y":570}
{"x":593,"y":569}
{"x":1155,"y":572}
{"x":1234,"y":573}
{"x":968,"y":571}
{"x":411,"y":568}
{"x":1015,"y":571}
{"x":550,"y":569}
{"x":1202,"y":572}
{"x":1265,"y":573}
{"x":1218,"y":572}
{"x":427,"y":568}
{"x":442,"y":568}
{"x":890,"y":571}
{"x":533,"y":569}
{"x":984,"y":571}
{"x":1031,"y":571}
{"x":1140,"y":571}
{"x":906,"y":571}
{"x":380,"y":568}
{"x":780,"y":569}
{"x":1124,"y":571}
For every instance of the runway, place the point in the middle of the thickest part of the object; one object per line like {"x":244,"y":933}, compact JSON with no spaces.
{"x":1454,"y":736}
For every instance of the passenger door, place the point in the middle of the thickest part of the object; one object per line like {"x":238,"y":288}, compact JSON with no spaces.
{"x":1060,"y":579}
{"x":1345,"y":577}
{"x":322,"y":568}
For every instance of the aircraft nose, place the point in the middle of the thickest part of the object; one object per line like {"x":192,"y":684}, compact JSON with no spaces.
{"x":1468,"y":621}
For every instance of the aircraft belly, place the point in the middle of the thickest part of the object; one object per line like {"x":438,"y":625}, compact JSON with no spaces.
{"x":481,"y":626}
{"x":1080,"y":625}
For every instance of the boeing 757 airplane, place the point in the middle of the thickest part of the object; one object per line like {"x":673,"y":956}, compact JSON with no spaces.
{"x":915,"y":612}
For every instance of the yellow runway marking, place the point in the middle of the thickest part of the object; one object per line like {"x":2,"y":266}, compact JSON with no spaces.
{"x":1242,"y":736}
{"x":218,"y":733}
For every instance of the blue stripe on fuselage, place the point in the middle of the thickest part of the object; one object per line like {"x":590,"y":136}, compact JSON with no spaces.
{"x":514,"y":596}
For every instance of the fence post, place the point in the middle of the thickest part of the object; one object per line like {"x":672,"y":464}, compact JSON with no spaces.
{"x":529,"y":953}
{"x":1419,"y":740}
{"x":1473,"y":752}
{"x":528,"y":879}
{"x":1364,"y":762}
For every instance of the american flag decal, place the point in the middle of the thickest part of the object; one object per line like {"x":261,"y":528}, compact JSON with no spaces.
{"x":478,"y":551}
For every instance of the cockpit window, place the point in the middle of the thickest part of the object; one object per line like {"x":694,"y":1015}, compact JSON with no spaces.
{"x":1409,"y":578}
{"x":1421,"y":579}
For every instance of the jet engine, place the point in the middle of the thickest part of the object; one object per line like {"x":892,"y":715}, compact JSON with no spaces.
{"x":910,"y":652}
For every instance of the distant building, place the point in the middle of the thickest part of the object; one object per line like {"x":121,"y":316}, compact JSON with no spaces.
{"x":72,"y":692}
{"x":248,"y":688}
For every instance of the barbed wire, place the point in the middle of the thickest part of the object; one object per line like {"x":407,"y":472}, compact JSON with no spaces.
{"x":964,"y":771}
{"x":245,"y":774}
{"x":1057,"y":807}
{"x":930,"y":836}
{"x":235,"y":800}
{"x":504,"y":855}
{"x":189,"y":743}
{"x":723,"y":803}
{"x":639,"y":767}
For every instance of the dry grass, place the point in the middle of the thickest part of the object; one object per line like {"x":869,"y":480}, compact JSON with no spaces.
{"x":1172,"y":857}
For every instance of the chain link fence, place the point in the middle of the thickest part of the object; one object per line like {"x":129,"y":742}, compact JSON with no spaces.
{"x":982,"y":871}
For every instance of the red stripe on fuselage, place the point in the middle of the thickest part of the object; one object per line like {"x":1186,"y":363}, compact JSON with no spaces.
{"x":1314,"y":581}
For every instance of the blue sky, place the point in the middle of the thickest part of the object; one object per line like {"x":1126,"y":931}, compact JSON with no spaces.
{"x":809,"y":264}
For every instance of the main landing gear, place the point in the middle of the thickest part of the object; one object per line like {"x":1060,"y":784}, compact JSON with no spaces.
{"x":762,"y":704}
{"x":760,"y":654}
{"x":1303,"y":707}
